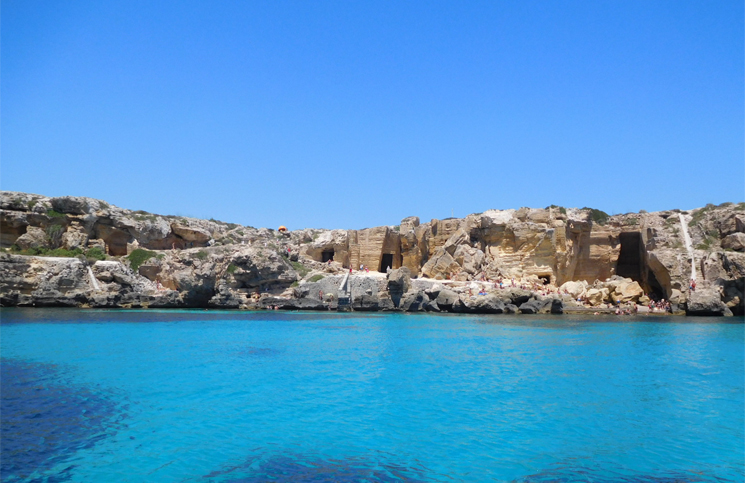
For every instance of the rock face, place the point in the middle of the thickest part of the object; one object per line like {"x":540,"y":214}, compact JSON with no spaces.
{"x":734,"y":241}
{"x":33,"y":238}
{"x":399,"y":282}
{"x":41,"y":281}
{"x":706,"y":302}
{"x":594,"y":258}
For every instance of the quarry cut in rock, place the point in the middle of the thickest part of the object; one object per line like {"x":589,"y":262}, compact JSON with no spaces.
{"x":581,"y":256}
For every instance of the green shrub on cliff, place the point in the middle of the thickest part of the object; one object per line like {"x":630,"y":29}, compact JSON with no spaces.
{"x":316,"y":278}
{"x":95,"y":253}
{"x":699,"y":215}
{"x":54,"y":214}
{"x":597,"y":216}
{"x":561,"y":209}
{"x":54,"y":232}
{"x":201,"y":255}
{"x":138,"y":257}
{"x":706,"y":243}
{"x":47,"y":252}
{"x":301,"y":269}
{"x":63,"y":252}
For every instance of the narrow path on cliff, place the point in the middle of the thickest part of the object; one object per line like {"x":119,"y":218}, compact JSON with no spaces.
{"x":688,"y":244}
{"x":94,"y":282}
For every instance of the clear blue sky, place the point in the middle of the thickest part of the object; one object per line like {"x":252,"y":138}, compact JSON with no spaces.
{"x":355,"y":114}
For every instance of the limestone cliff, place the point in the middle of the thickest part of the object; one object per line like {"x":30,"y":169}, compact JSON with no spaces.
{"x":135,"y":258}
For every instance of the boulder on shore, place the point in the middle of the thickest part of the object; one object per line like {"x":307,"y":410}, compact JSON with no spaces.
{"x":706,"y":302}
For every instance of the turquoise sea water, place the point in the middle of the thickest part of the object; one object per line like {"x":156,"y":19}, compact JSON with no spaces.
{"x":243,"y":397}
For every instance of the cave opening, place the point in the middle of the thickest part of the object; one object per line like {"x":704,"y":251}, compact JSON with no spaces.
{"x":632,"y":264}
{"x":117,"y":244}
{"x":653,"y":287}
{"x":545,"y":278}
{"x":386,"y":262}
{"x":630,"y":259}
{"x":327,"y":255}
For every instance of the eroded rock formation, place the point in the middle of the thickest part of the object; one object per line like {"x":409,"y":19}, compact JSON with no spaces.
{"x":629,"y":258}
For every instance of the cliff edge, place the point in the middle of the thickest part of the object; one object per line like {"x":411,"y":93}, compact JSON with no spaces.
{"x":76,"y":251}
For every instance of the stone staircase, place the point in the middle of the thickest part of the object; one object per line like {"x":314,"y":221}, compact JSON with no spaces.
{"x":345,"y":294}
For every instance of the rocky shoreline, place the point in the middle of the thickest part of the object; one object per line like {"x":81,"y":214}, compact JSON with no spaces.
{"x":82,"y":252}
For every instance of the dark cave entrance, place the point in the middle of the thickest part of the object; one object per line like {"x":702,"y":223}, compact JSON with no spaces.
{"x":117,"y":243}
{"x":632,"y":264}
{"x":386,"y":262}
{"x":327,"y":255}
{"x":545,"y":278}
{"x":630,"y":260}
{"x":653,"y":287}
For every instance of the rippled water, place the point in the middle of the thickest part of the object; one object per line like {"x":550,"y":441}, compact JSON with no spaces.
{"x":253,"y":397}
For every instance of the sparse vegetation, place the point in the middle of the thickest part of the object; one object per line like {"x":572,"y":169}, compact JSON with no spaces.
{"x":295,"y":284}
{"x":54,"y":232}
{"x":705,"y":244}
{"x":598,"y":216}
{"x":31,"y":204}
{"x":231,"y":268}
{"x":632,"y":221}
{"x":699,"y":215}
{"x":54,"y":214}
{"x":138,"y":257}
{"x":201,"y":255}
{"x":561,"y":209}
{"x":643,"y":211}
{"x":94,"y":254}
{"x":47,"y":252}
{"x":103,"y":205}
{"x":316,"y":278}
{"x":146,"y":218}
{"x":740,"y":206}
{"x":301,"y":269}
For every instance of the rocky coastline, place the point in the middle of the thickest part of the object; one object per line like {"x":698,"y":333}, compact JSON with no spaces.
{"x":82,"y":252}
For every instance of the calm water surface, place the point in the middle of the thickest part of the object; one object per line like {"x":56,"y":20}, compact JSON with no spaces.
{"x":249,"y":397}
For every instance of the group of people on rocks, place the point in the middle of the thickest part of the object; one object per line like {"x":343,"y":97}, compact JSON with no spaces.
{"x":627,"y":310}
{"x":663,"y":305}
{"x":363,"y":268}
